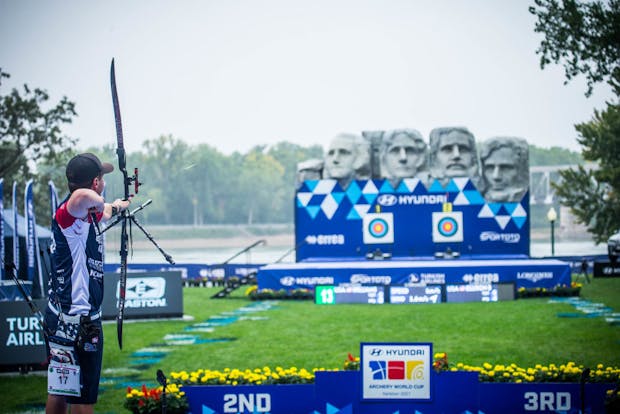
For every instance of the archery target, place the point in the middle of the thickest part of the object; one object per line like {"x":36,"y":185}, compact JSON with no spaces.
{"x":378,"y":228}
{"x":447,"y":227}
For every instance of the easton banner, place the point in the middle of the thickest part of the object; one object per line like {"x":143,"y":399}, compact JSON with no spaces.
{"x":407,"y":220}
{"x":148,"y":295}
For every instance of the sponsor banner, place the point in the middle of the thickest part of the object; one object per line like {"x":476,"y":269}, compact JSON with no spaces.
{"x":21,"y":337}
{"x":328,"y":219}
{"x":53,"y":199}
{"x":396,"y":371}
{"x":606,"y":269}
{"x":527,"y":273}
{"x":378,"y":228}
{"x":190,"y":271}
{"x":147,"y":294}
{"x":15,"y":230}
{"x":32,"y":242}
{"x":2,"y":256}
{"x":30,"y":236}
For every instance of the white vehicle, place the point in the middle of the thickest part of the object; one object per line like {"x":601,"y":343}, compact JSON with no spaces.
{"x":613,"y":247}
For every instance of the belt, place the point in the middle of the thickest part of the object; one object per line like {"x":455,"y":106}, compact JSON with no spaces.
{"x":74,"y":319}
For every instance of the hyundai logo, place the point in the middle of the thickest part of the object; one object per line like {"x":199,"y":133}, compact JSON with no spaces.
{"x":287,"y":280}
{"x":387,"y":199}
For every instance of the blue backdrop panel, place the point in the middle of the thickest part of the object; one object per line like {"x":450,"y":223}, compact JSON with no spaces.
{"x":329,"y":220}
{"x":339,"y":392}
{"x":541,"y":398}
{"x":190,"y":271}
{"x":332,"y":395}
{"x":525,"y":273}
{"x":272,"y":399}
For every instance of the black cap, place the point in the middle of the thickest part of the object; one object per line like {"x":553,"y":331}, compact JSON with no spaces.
{"x":84,"y":167}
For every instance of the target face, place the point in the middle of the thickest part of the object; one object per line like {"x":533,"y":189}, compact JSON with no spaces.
{"x":448,"y":227}
{"x":378,"y":228}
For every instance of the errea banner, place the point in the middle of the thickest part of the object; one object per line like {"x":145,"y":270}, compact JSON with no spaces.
{"x":396,"y":371}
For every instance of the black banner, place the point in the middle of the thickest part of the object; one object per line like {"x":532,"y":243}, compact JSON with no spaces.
{"x":148,"y":295}
{"x":606,"y":269}
{"x":21,"y":337}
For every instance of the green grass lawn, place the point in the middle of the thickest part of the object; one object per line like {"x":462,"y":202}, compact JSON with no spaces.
{"x":301,"y":334}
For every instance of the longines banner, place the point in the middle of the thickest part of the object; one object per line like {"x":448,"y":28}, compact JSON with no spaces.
{"x":21,"y":336}
{"x":147,"y":295}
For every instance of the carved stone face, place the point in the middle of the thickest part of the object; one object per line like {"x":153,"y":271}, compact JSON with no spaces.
{"x":340,"y":158}
{"x":501,"y":173}
{"x":455,"y":156}
{"x":403,"y":157}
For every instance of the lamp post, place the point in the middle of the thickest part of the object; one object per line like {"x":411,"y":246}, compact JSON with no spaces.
{"x":552,"y":216}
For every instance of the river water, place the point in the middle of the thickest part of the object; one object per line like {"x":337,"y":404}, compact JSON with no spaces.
{"x":270,"y":254}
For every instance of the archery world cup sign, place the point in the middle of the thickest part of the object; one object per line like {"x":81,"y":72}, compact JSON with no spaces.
{"x":396,"y":371}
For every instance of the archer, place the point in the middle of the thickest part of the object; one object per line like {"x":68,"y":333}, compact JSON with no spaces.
{"x":73,"y":314}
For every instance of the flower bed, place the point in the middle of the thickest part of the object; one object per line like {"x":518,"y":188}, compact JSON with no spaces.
{"x":569,"y":372}
{"x":266,"y":294}
{"x":560,"y":290}
{"x":257,"y":376}
{"x":147,"y":401}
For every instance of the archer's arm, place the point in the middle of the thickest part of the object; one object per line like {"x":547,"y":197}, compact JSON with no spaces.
{"x":84,"y":200}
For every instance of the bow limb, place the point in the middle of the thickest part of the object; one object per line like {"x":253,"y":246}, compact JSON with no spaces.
{"x":120,"y":152}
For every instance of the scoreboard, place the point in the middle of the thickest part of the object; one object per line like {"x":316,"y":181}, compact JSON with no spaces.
{"x":331,"y":295}
{"x":380,"y":294}
{"x":416,"y":294}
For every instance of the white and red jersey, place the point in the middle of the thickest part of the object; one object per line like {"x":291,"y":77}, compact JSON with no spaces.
{"x":76,"y":282}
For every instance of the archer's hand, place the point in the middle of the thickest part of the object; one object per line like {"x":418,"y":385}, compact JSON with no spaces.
{"x":115,"y":208}
{"x":121,"y":205}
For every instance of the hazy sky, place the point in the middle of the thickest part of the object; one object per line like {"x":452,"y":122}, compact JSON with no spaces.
{"x":239,"y":73}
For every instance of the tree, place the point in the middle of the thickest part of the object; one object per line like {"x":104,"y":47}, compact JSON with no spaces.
{"x":31,"y":135}
{"x":585,"y":38}
{"x":553,"y":156}
{"x":594,"y":195}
